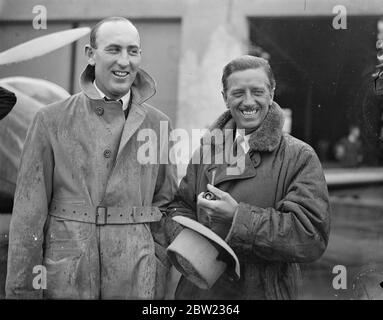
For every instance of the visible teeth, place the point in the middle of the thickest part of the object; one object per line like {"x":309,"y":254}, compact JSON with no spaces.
{"x":249,"y":113}
{"x":120,"y":74}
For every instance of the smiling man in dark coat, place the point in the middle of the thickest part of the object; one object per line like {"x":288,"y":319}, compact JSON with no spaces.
{"x":274,"y":212}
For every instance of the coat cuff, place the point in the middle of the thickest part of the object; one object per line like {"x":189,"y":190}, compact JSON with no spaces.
{"x":241,"y":233}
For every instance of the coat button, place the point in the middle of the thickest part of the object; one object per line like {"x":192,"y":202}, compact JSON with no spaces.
{"x":99,"y":111}
{"x":107,"y":153}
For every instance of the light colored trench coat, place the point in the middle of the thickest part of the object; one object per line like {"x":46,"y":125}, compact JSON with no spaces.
{"x":81,"y":153}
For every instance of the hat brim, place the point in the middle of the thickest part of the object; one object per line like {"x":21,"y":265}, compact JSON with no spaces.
{"x":209,"y":234}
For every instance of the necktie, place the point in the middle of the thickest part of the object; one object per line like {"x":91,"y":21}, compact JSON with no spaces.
{"x":126,"y":111}
{"x":237,"y":158}
{"x":238,"y":149}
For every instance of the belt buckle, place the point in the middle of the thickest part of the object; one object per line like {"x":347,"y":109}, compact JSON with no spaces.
{"x":101,"y":215}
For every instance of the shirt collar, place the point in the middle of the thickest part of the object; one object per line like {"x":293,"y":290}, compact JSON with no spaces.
{"x":125,"y":99}
{"x":243,"y":140}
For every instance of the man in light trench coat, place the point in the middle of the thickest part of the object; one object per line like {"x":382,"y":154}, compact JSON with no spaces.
{"x":86,"y":206}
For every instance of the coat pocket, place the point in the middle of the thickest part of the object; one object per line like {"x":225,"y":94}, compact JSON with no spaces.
{"x":66,"y":258}
{"x":66,"y":278}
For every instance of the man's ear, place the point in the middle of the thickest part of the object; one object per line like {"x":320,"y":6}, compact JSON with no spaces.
{"x":89,"y":52}
{"x":224,"y":95}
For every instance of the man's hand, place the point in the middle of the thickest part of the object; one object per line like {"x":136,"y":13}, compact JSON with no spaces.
{"x":220,"y":210}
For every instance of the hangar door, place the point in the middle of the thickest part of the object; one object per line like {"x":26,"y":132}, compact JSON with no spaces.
{"x":321,"y":73}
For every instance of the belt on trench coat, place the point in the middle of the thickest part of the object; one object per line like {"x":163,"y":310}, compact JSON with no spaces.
{"x":101,"y":215}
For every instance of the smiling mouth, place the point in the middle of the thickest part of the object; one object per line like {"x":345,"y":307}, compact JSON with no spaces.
{"x":249,"y":113}
{"x":121,"y":74}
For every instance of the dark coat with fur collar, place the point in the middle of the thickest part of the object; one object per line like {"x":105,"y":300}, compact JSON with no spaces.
{"x":283,"y":215}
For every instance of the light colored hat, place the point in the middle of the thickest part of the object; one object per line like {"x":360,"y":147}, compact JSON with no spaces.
{"x":193,"y":253}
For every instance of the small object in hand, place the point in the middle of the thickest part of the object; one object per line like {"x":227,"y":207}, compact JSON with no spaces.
{"x":210,"y":195}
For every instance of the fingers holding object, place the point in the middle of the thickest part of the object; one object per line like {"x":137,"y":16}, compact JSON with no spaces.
{"x":204,"y":203}
{"x":217,"y":192}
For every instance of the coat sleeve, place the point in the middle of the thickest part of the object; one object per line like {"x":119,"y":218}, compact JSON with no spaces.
{"x":297,"y":229}
{"x":165,"y":188}
{"x":184,"y":203}
{"x":32,"y":197}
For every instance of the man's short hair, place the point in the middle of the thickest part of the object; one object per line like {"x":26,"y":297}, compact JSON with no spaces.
{"x":93,"y":31}
{"x":247,"y":62}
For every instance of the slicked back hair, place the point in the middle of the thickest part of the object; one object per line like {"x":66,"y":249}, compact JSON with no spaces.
{"x":93,"y":32}
{"x":247,"y":62}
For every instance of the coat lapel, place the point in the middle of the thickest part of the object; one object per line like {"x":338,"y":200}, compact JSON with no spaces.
{"x":233,"y":168}
{"x":227,"y":172}
{"x":133,"y":122}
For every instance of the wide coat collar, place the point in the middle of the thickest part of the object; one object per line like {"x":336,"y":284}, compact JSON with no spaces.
{"x":143,"y":87}
{"x":265,"y":138}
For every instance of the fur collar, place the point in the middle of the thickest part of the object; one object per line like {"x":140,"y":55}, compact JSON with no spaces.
{"x":265,"y":138}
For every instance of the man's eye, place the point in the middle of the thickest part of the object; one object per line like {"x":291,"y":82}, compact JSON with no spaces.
{"x":259,"y":92}
{"x":134,"y":52}
{"x":237,"y":94}
{"x":112,"y":50}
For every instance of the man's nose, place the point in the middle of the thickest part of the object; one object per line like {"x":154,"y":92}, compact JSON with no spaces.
{"x":248,"y":99}
{"x":123,"y":59}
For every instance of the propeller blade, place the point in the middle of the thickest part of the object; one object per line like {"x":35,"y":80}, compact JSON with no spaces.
{"x":41,"y":45}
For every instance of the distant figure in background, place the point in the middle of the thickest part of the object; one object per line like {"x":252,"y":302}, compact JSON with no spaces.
{"x":323,"y":149}
{"x":348,"y":151}
{"x":7,"y":101}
